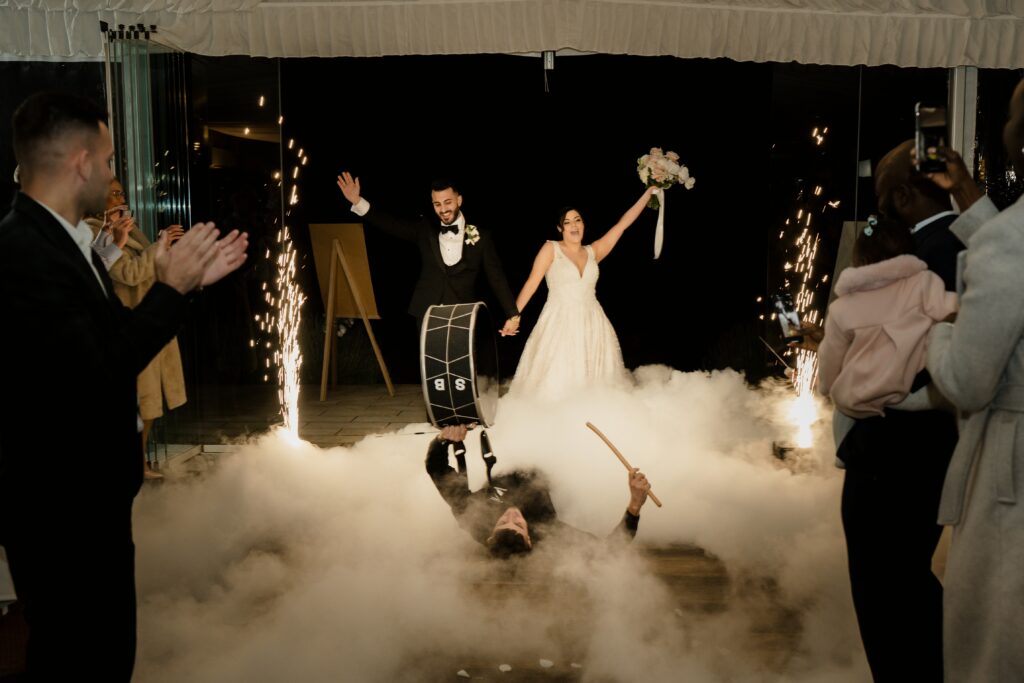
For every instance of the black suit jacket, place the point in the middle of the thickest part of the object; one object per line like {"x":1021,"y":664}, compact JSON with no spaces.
{"x":938,"y":247}
{"x":70,"y":456}
{"x":439,"y":283}
{"x":478,"y":511}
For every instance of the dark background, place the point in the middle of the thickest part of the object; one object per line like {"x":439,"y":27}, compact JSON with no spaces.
{"x":519,"y":152}
{"x":520,"y":148}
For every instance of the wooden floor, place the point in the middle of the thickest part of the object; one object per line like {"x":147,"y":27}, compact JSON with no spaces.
{"x":347,"y":415}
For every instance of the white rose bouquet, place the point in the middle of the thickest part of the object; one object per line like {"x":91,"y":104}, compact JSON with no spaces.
{"x":662,"y":169}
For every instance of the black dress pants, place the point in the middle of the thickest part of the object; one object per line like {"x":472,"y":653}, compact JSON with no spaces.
{"x":895,"y":467}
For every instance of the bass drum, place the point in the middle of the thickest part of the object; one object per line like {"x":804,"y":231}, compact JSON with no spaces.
{"x":459,"y":365}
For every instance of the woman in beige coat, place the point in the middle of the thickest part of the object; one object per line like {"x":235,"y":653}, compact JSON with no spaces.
{"x":133,"y":273}
{"x":978,"y":363}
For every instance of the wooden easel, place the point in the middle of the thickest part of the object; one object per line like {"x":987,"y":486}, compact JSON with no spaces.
{"x":337,"y":256}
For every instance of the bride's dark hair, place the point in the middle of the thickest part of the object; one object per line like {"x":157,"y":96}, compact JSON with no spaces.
{"x":562,"y":213}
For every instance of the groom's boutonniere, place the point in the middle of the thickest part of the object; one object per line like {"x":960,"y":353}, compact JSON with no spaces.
{"x":472,"y":235}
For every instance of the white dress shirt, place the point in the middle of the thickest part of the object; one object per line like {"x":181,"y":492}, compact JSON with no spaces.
{"x":450,"y":243}
{"x":931,"y":219}
{"x":106,"y":249}
{"x":82,"y":235}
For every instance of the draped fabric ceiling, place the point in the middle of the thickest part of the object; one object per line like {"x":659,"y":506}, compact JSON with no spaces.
{"x":909,"y":33}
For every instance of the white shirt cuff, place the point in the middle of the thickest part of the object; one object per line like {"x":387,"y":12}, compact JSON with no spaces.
{"x":108,"y":253}
{"x":361,"y":207}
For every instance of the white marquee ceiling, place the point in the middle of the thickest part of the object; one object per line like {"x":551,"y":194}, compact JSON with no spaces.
{"x":912,"y":33}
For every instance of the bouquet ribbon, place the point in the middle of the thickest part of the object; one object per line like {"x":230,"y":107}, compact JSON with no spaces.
{"x":659,"y":230}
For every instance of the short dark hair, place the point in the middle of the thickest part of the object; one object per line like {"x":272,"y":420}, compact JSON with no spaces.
{"x":442,"y":184}
{"x":883,"y":239}
{"x":506,"y":542}
{"x":563,"y":212}
{"x":47,"y":116}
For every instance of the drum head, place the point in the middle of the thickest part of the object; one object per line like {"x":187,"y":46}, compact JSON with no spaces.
{"x":459,"y":365}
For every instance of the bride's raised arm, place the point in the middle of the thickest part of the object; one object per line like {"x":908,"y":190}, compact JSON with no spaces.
{"x":603,"y":246}
{"x":540,"y":266}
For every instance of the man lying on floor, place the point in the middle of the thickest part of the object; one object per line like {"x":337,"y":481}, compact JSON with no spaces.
{"x":514,"y":513}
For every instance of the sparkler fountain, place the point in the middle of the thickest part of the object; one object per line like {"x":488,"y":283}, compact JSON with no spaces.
{"x":804,"y":409}
{"x":285,"y":301}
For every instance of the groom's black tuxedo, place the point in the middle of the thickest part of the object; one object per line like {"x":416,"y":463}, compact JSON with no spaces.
{"x":440,"y":283}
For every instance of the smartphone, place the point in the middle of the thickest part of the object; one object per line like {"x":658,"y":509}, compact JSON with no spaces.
{"x":789,"y":319}
{"x":117,"y":215}
{"x":930,"y":138}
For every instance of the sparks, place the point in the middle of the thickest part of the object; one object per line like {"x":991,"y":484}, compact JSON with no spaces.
{"x":289,"y":315}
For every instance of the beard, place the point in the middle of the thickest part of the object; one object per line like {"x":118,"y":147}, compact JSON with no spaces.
{"x":94,"y":199}
{"x":452,"y":218}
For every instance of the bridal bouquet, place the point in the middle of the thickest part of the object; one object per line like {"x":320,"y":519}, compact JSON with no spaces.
{"x":662,"y":169}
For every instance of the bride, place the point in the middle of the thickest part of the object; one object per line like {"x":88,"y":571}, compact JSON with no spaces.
{"x":573,"y":343}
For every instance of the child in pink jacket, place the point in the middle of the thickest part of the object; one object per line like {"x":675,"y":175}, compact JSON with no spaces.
{"x":875,"y":331}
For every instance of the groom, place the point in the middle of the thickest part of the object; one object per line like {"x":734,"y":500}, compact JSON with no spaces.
{"x":452,"y":252}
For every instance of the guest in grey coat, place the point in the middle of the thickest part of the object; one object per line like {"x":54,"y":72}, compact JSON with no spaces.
{"x":978,"y":363}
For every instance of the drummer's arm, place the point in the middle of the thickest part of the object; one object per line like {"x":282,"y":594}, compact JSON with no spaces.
{"x":540,"y":266}
{"x":451,"y":484}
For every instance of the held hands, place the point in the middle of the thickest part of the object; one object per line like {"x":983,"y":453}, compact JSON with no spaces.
{"x":349,"y":187}
{"x":638,"y":488}
{"x":511,"y":327}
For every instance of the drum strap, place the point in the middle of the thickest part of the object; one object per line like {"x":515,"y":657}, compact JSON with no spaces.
{"x":459,"y":449}
{"x":460,"y":455}
{"x":489,"y":460}
{"x":488,"y":455}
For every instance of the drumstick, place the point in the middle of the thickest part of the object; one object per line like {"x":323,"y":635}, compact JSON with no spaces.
{"x":622,"y":459}
{"x":470,"y":427}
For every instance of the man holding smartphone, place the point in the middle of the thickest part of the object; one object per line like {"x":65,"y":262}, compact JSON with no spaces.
{"x":897,"y":597}
{"x":907,"y":195}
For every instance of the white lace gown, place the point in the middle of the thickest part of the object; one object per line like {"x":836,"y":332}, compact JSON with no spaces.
{"x":573,"y":344}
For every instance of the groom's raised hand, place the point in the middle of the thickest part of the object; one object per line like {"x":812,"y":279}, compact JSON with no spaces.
{"x":349,"y":187}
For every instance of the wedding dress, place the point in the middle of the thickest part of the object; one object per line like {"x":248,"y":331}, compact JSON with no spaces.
{"x":573,"y":344}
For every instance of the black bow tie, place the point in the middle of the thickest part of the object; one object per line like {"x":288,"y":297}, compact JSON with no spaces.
{"x":453,"y":228}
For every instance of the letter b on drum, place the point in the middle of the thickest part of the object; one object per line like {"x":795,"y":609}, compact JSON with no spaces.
{"x":460,"y":384}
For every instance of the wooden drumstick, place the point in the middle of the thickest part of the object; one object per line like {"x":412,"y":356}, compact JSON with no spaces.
{"x":622,"y":459}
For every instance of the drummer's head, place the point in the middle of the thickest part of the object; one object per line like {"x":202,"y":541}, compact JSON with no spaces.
{"x":446,"y":199}
{"x":511,"y":534}
{"x":570,"y":224}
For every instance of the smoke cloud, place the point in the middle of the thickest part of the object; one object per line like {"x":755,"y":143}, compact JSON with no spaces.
{"x":287,"y":562}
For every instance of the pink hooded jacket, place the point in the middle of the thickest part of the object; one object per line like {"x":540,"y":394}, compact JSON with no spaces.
{"x":876,"y":331}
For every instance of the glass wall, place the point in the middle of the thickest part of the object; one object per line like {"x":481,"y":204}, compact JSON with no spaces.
{"x":234,"y":155}
{"x":199,"y":140}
